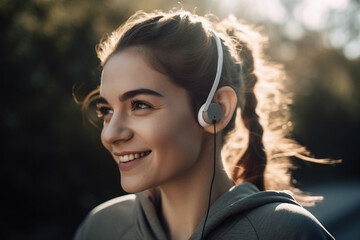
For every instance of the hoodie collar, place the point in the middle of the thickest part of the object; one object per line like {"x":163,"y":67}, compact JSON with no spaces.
{"x":237,"y":200}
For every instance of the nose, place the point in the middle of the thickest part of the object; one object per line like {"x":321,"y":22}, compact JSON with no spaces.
{"x":116,"y":130}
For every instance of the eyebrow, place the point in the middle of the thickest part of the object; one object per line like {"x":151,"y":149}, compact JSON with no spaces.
{"x":140,"y":91}
{"x":131,"y":94}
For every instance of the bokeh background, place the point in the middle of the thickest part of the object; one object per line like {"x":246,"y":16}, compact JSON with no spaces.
{"x":54,"y":169}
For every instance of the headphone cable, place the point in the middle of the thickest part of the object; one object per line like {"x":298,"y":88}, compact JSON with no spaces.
{"x":212,"y":182}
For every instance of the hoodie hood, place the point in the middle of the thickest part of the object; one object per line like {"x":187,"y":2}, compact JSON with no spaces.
{"x":238,"y":200}
{"x":241,"y":213}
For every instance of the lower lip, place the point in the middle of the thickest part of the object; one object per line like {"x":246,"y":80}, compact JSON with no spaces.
{"x":127,"y":166}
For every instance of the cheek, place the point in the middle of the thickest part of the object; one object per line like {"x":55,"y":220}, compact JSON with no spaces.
{"x":104,"y":143}
{"x":178,"y":137}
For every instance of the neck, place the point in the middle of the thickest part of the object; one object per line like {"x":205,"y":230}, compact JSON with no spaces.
{"x":185,"y":201}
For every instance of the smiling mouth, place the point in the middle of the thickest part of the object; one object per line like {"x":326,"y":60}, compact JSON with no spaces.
{"x":132,"y":156}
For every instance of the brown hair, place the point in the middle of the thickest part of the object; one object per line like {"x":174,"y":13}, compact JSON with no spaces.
{"x":180,"y":45}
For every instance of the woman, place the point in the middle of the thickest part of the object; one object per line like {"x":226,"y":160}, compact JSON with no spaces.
{"x":195,"y":173}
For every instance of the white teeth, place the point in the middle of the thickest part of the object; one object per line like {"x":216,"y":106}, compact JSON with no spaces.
{"x":130,"y":157}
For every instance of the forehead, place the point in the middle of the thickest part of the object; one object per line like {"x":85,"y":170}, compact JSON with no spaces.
{"x":125,"y":65}
{"x":130,"y":69}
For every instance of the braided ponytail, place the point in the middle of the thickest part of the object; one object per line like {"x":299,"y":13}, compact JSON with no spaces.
{"x":254,"y":159}
{"x":250,"y":167}
{"x":263,"y":158}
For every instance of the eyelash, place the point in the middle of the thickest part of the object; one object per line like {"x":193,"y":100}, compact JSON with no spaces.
{"x":102,"y":111}
{"x":135,"y":105}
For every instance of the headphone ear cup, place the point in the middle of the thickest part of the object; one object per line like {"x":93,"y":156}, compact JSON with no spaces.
{"x":212,"y":114}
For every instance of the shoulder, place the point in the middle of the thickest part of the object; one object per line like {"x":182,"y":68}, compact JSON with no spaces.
{"x":121,"y":205}
{"x":285,"y":221}
{"x":109,"y":219}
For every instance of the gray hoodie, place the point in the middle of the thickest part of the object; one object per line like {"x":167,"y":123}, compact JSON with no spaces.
{"x":243,"y":212}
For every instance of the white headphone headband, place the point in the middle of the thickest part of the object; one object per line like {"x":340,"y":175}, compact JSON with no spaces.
{"x":218,"y":71}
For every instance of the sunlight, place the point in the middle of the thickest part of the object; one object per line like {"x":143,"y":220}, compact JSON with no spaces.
{"x":314,"y":13}
{"x":273,"y":10}
{"x":352,"y":49}
{"x":227,"y":6}
{"x":293,"y":30}
{"x":297,"y":17}
{"x":254,"y":9}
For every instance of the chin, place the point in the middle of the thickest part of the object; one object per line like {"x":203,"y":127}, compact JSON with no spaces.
{"x":132,"y":187}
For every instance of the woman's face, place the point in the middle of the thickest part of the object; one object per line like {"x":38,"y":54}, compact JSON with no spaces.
{"x":149,"y":125}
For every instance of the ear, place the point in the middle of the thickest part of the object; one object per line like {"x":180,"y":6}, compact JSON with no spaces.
{"x":227,"y":99}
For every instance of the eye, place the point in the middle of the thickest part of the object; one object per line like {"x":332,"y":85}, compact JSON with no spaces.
{"x":103,"y":111}
{"x":139,"y":105}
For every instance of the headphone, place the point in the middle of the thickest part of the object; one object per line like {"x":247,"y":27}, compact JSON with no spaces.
{"x":210,"y":112}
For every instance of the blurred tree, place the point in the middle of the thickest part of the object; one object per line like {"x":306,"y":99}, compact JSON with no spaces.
{"x":49,"y":172}
{"x":326,"y":114}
